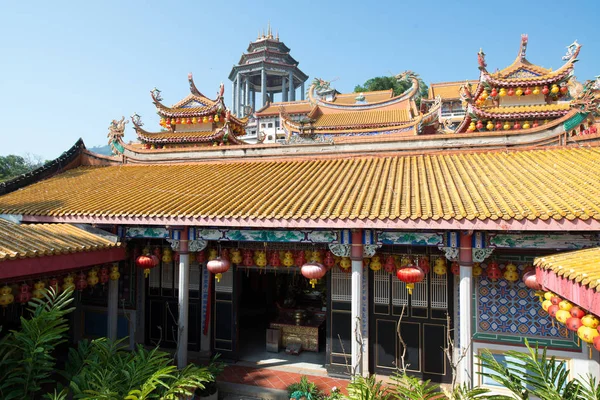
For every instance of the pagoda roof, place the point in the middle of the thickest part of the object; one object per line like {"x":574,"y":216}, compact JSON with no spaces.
{"x":560,"y":184}
{"x":524,"y":73}
{"x":448,"y":90}
{"x":289,"y":107}
{"x":194,"y":104}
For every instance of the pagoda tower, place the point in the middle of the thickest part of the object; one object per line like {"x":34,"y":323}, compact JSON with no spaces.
{"x":268,"y":68}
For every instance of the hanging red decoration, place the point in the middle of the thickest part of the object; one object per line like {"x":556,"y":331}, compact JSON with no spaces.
{"x":274,"y":260}
{"x":81,"y":283}
{"x":545,"y":90}
{"x":555,"y":300}
{"x":24,"y":294}
{"x":517,"y":125}
{"x":493,"y":271}
{"x":494,"y":92}
{"x":552,"y":310}
{"x":596,"y":342}
{"x":300,"y":258}
{"x":146,"y":263}
{"x":423,"y":263}
{"x":410,"y":275}
{"x":104,"y":278}
{"x":577,"y":312}
{"x":218,"y":266}
{"x":390,"y":264}
{"x":573,"y":324}
{"x":527,"y":91}
{"x":455,"y":268}
{"x":248,"y":260}
{"x":479,"y":125}
{"x":157,"y":252}
{"x":498,"y":125}
{"x":511,"y":92}
{"x":329,"y":260}
{"x":313,"y":271}
{"x":530,"y":281}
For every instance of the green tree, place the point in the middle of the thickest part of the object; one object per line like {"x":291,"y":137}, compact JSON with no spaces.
{"x":390,"y":82}
{"x":13,"y":165}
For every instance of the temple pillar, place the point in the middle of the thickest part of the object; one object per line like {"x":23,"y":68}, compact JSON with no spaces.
{"x":263,"y":86}
{"x":233,"y":109}
{"x":465,"y":259}
{"x":356,"y":255}
{"x":113,"y":309}
{"x":302,"y":91}
{"x":254,"y":99}
{"x":240,"y":88}
{"x":237,"y":94}
{"x":184,"y":280}
{"x":246,"y":93}
{"x":291,"y":96}
{"x":284,"y":96}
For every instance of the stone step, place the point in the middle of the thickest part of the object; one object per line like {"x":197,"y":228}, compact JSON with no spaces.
{"x":237,"y":391}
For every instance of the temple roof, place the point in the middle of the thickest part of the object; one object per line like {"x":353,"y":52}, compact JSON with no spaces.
{"x":368,"y":97}
{"x":559,"y":183}
{"x":581,"y":266}
{"x":289,"y":107}
{"x":447,"y":90}
{"x":367,"y":118}
{"x":29,"y":241}
{"x":194,"y":104}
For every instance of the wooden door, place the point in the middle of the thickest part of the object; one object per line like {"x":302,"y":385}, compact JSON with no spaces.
{"x":225,"y":318}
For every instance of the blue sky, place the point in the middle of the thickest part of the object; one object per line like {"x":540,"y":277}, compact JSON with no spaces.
{"x":69,"y":68}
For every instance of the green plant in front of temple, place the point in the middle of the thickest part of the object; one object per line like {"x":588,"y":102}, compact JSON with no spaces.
{"x":304,"y":390}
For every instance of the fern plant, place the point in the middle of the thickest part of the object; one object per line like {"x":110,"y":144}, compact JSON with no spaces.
{"x":26,"y":355}
{"x":368,"y":388}
{"x":304,"y":388}
{"x":531,"y":373}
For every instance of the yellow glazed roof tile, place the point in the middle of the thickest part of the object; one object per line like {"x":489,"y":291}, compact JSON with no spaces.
{"x":28,"y":241}
{"x":369,"y":97}
{"x":296,"y":107}
{"x":534,"y":184}
{"x":581,"y":266}
{"x":448,"y":90}
{"x":362,"y":118}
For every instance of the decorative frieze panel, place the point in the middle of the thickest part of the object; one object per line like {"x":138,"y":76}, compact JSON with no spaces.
{"x":543,"y":241}
{"x":410,"y":238}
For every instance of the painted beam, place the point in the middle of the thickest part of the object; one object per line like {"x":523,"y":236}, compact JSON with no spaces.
{"x":59,"y":263}
{"x":408,"y":224}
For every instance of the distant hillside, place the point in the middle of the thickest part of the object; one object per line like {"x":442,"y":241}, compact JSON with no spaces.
{"x":105,"y":150}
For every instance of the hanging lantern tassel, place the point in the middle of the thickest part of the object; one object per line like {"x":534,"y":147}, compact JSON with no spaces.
{"x":218,"y":277}
{"x":313,"y":282}
{"x":410,"y":287}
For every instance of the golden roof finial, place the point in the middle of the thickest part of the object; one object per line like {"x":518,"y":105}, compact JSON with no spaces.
{"x":258,"y":37}
{"x":277,"y":35}
{"x":270,"y":35}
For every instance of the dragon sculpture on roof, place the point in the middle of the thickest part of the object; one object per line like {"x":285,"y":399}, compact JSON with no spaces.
{"x":116,"y":131}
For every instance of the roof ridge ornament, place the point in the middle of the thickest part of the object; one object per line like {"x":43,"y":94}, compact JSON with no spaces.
{"x":136,"y":119}
{"x":481,"y":59}
{"x":572,"y":52}
{"x":156,"y":94}
{"x":523,"y":48}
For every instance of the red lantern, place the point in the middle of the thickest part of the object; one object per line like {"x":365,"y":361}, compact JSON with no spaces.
{"x":24,"y":294}
{"x":577,"y":312}
{"x":527,"y":92}
{"x":177,"y":121}
{"x":218,"y":266}
{"x":552,"y":310}
{"x":479,"y":125}
{"x":81,"y":282}
{"x":545,"y":90}
{"x":530,"y":281}
{"x":455,"y":268}
{"x":564,"y":89}
{"x":494,"y":92}
{"x":573,"y":324}
{"x":517,"y":125}
{"x":511,"y":92}
{"x":329,"y":260}
{"x":423,"y":263}
{"x":201,"y":257}
{"x":597,"y":343}
{"x":493,"y":271}
{"x":211,"y":119}
{"x":104,"y":277}
{"x":248,"y":260}
{"x":555,"y":300}
{"x":176,"y":257}
{"x":410,"y":275}
{"x":146,"y":263}
{"x":498,"y":126}
{"x":157,"y":252}
{"x":300,"y":259}
{"x":53,"y":283}
{"x":274,"y":260}
{"x":390,"y":264}
{"x":313,"y":271}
